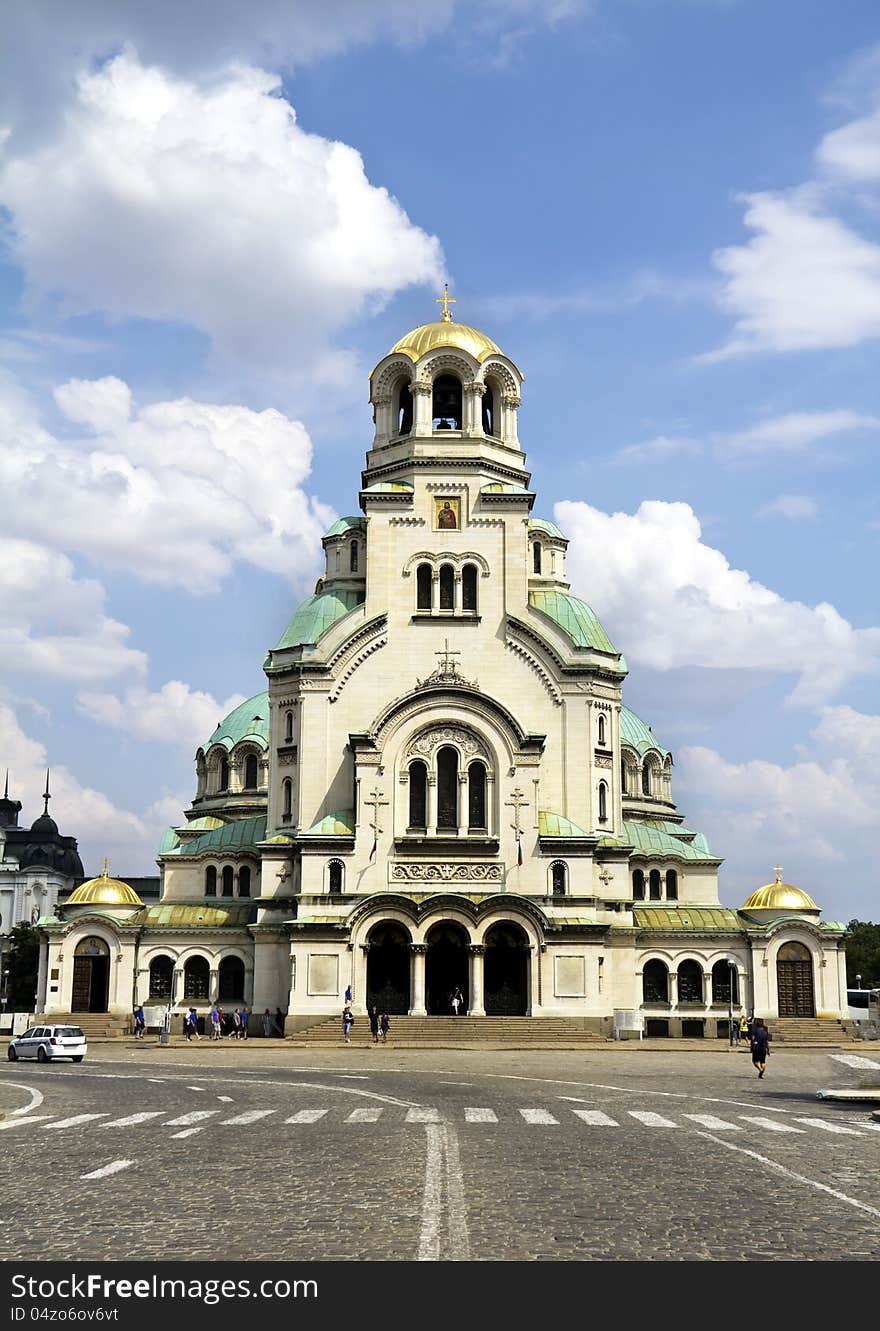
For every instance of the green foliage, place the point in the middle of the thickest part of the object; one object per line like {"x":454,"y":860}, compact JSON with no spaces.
{"x":862,"y":943}
{"x":20,"y":959}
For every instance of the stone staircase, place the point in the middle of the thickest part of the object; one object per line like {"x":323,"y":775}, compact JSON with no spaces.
{"x":462,"y":1032}
{"x":808,"y":1030}
{"x":94,"y":1025}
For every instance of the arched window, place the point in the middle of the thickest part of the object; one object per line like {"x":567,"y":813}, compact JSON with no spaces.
{"x":404,"y":410}
{"x":424,"y":579}
{"x":646,"y":779}
{"x":223,"y":777}
{"x":210,"y":881}
{"x":244,"y":881}
{"x":559,"y":878}
{"x":690,"y":982}
{"x":603,"y":802}
{"x":722,"y":975}
{"x":655,"y":982}
{"x":286,"y":799}
{"x":228,"y":880}
{"x":418,"y":796}
{"x":230,"y":980}
{"x":638,"y":885}
{"x":477,"y":796}
{"x":536,"y":557}
{"x":671,"y":885}
{"x":469,"y":587}
{"x":654,"y":881}
{"x":334,"y":876}
{"x":446,"y":408}
{"x":353,"y":557}
{"x":488,"y":411}
{"x":447,"y":789}
{"x":161,"y":973}
{"x":251,"y":770}
{"x":602,"y":739}
{"x":624,"y":784}
{"x":288,"y":727}
{"x":196,"y":976}
{"x":447,"y":587}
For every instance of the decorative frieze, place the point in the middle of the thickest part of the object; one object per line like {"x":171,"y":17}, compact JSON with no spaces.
{"x":425,"y":743}
{"x":403,"y":872}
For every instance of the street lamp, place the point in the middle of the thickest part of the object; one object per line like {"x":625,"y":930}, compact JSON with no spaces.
{"x":3,"y":994}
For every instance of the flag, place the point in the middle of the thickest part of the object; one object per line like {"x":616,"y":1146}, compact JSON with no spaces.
{"x":375,"y":844}
{"x":518,"y":851}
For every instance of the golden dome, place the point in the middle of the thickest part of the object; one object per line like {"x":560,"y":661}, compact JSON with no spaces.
{"x":779,"y":896}
{"x":446,"y":333}
{"x":104,"y":891}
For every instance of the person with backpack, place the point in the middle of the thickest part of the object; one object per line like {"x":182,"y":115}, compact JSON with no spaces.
{"x":384,"y":1023}
{"x":191,"y":1025}
{"x":140,"y":1024}
{"x":347,"y":1023}
{"x":759,"y":1046}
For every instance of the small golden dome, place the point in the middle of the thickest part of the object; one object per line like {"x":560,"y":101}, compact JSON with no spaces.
{"x":446,"y":333}
{"x":104,"y":891}
{"x":779,"y":896}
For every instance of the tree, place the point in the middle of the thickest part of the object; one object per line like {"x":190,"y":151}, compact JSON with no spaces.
{"x":862,"y":943}
{"x":20,"y":961}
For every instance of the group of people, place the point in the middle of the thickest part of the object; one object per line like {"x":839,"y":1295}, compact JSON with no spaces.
{"x":234,"y":1025}
{"x":380,"y":1022}
{"x":753,"y":1032}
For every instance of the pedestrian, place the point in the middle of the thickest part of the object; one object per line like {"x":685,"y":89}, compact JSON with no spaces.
{"x":140,"y":1024}
{"x":191,"y":1025}
{"x":244,"y":1022}
{"x":384,"y":1023}
{"x":759,"y":1046}
{"x":216,"y":1022}
{"x":744,"y":1031}
{"x":235,"y":1033}
{"x":348,"y":994}
{"x":279,"y":1023}
{"x":267,"y":1024}
{"x":374,"y":1024}
{"x":457,"y":1000}
{"x":347,"y":1023}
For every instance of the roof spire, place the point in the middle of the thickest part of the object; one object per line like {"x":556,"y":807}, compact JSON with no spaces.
{"x":446,"y":300}
{"x":6,"y":787}
{"x":777,"y":869}
{"x":46,"y":796}
{"x":105,"y":873}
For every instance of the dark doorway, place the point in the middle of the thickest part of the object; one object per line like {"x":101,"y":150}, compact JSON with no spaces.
{"x":794,"y":981}
{"x":91,"y":976}
{"x":388,"y":962}
{"x":446,"y":968}
{"x":506,"y":971}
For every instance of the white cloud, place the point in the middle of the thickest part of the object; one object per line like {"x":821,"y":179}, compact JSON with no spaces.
{"x":52,"y":622}
{"x":659,"y":449}
{"x":791,"y":506}
{"x":175,"y":492}
{"x":794,"y":431}
{"x":669,"y":600}
{"x":175,"y":714}
{"x":207,"y":204}
{"x":853,"y":151}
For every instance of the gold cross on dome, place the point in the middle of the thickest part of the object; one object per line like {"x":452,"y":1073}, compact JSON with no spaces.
{"x":446,"y":300}
{"x":106,"y":870}
{"x":777,"y":869}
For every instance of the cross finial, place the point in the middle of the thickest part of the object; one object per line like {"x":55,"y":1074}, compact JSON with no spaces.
{"x":777,"y":869}
{"x":517,"y":803}
{"x":446,"y":300}
{"x":46,"y":795}
{"x":6,"y":788}
{"x":105,"y":873}
{"x":447,"y":663}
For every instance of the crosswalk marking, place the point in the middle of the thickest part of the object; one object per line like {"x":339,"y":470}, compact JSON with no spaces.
{"x":650,"y":1119}
{"x":113,"y":1168}
{"x":194,"y":1116}
{"x":31,"y":1118}
{"x":249,"y":1116}
{"x":306,"y":1116}
{"x":420,"y":1115}
{"x":187,"y":1132}
{"x":829,"y":1127}
{"x":480,"y":1116}
{"x":770,"y":1124}
{"x":131,"y":1119}
{"x":596,"y":1118}
{"x":538,"y":1116}
{"x":363,"y":1116}
{"x":75,"y":1121}
{"x":856,"y":1061}
{"x":716,"y":1124}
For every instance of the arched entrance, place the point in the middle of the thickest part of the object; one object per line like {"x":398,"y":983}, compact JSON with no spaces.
{"x":91,"y":976}
{"x":794,"y":981}
{"x":388,"y":966}
{"x":506,"y":971}
{"x":446,"y":968}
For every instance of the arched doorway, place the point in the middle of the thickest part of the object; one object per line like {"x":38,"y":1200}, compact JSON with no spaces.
{"x":91,"y":976}
{"x":446,"y":968}
{"x":506,"y":971}
{"x":388,"y":966}
{"x":794,"y":981}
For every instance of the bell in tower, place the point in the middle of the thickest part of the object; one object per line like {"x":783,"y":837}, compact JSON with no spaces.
{"x":446,"y":410}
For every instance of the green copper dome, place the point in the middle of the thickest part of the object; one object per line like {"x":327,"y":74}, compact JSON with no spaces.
{"x":317,"y":614}
{"x":635,"y":732}
{"x":249,"y":719}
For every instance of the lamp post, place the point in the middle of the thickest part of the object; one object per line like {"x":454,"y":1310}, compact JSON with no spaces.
{"x":731,"y":975}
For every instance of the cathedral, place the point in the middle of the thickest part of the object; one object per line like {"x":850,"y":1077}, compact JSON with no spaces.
{"x":441,"y":787}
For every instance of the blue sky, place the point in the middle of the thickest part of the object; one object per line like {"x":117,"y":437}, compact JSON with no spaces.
{"x":215,"y":220}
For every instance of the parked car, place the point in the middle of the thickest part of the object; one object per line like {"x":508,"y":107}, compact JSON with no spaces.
{"x":47,"y":1042}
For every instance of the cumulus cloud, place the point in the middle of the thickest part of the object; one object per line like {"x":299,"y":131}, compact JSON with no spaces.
{"x":174,"y":492}
{"x":790,"y":506}
{"x":669,"y":600}
{"x":206,"y":203}
{"x":659,"y":449}
{"x":794,"y":431}
{"x":174,"y":714}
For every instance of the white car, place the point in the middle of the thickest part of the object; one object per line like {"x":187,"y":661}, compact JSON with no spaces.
{"x":46,"y":1042}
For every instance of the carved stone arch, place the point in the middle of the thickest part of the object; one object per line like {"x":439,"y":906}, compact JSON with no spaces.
{"x":385,"y":380}
{"x":441,"y":362}
{"x":494,"y":369}
{"x":463,"y":700}
{"x":425,"y":743}
{"x":435,"y":559}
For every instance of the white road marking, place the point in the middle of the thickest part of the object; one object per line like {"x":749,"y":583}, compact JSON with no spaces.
{"x":429,"y":1239}
{"x":113,"y":1168}
{"x":305,"y":1116}
{"x":75,"y":1121}
{"x":421,"y":1115}
{"x":195,"y":1088}
{"x":187,"y":1132}
{"x":458,"y":1249}
{"x":158,"y":1081}
{"x":249,"y":1116}
{"x":856,"y":1061}
{"x":596,"y":1118}
{"x":716,"y":1124}
{"x":798,"y":1178}
{"x":769,"y":1123}
{"x":131,"y":1119}
{"x":650,"y":1120}
{"x":829,"y":1127}
{"x":353,"y":1076}
{"x":14,"y":1122}
{"x":194,"y":1116}
{"x":226,"y":1098}
{"x":628,"y":1090}
{"x":480,"y":1115}
{"x":364,"y":1115}
{"x":538,"y":1116}
{"x":36,"y":1098}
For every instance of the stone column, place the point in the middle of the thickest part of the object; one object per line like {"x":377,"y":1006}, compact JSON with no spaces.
{"x":435,"y":592}
{"x":534,"y":980}
{"x":213,"y":985}
{"x":421,"y":394}
{"x":417,"y":1000}
{"x":457,"y":593}
{"x":473,"y":397}
{"x":249,"y":986}
{"x":476,"y":1007}
{"x":431,"y":819}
